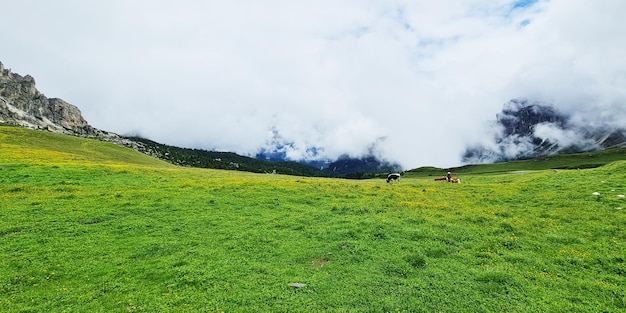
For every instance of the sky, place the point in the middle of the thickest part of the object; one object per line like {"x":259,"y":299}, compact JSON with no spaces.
{"x":414,"y":82}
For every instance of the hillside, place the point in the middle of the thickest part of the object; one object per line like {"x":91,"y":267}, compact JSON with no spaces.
{"x":221,"y":160}
{"x":37,"y":146}
{"x":581,"y":160}
{"x":90,"y":226}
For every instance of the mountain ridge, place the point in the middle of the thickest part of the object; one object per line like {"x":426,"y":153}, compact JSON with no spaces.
{"x":534,"y":129}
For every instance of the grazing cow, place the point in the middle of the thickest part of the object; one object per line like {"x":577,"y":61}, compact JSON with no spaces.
{"x":394,"y":176}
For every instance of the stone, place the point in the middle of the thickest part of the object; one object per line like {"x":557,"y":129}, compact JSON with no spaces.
{"x":297,"y":285}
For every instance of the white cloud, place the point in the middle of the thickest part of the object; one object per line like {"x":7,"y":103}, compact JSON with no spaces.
{"x":336,"y":75}
{"x":563,"y":137}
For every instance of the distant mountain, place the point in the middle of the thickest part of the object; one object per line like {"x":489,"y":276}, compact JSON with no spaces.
{"x":277,"y":150}
{"x":351,"y":166}
{"x":531,"y":129}
{"x":344,"y":166}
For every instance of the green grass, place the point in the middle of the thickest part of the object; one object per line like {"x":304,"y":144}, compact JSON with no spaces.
{"x":564,"y":161}
{"x":87,"y":226}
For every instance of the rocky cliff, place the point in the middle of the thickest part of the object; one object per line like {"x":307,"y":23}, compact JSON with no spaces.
{"x":531,"y":129}
{"x":23,"y":105}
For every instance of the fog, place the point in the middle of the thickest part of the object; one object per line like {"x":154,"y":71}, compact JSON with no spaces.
{"x":415,"y":82}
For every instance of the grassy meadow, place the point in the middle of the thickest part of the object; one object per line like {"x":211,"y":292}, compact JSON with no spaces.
{"x":87,"y":226}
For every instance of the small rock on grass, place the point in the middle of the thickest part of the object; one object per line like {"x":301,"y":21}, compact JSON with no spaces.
{"x":297,"y":285}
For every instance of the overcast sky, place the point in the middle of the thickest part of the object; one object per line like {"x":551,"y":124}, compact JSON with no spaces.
{"x":419,"y":80}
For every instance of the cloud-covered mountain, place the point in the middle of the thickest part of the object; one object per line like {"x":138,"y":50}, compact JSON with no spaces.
{"x":279,"y":149}
{"x":526,"y":129}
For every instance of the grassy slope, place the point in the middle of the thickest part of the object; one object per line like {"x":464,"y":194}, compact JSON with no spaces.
{"x":41,"y":147}
{"x":565,"y":161}
{"x":88,"y":226}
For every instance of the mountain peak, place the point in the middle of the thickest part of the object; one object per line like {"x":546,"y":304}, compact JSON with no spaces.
{"x":534,"y":129}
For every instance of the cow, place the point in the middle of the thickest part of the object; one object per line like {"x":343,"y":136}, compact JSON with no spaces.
{"x":393,"y":176}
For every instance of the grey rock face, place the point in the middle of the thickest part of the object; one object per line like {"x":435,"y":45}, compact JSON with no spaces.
{"x":534,"y":129}
{"x":21,"y":104}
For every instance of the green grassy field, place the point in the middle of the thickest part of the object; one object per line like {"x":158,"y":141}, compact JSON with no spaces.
{"x":564,"y":161}
{"x":87,"y":226}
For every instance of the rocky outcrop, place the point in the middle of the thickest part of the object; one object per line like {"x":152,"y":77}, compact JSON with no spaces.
{"x":532,"y":129}
{"x":519,"y":117}
{"x":21,"y":104}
